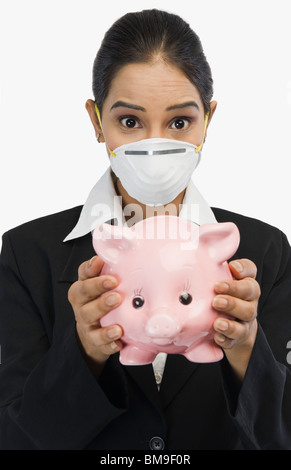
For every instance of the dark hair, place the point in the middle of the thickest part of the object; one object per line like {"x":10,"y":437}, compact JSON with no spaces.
{"x":141,"y":37}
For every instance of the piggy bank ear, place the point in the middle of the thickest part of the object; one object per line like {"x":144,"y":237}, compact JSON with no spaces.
{"x":110,"y":242}
{"x":221,"y":240}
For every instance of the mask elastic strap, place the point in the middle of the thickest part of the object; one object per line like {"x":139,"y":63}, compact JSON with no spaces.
{"x":99,"y":118}
{"x":205,"y":126}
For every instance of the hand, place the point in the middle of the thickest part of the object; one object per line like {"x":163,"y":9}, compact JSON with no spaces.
{"x":237,"y":298}
{"x":89,"y":305}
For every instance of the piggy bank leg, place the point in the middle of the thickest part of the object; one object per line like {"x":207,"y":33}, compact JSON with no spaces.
{"x":133,"y":355}
{"x":206,"y":351}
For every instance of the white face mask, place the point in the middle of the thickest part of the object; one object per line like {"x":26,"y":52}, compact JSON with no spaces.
{"x":155,"y":171}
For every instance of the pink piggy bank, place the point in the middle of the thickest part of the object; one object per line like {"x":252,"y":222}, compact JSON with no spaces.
{"x":167,"y":267}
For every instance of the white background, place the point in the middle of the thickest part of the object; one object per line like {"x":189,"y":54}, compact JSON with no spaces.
{"x":49,"y":155}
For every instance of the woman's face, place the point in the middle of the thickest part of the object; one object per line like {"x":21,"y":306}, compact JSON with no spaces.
{"x":151,"y":100}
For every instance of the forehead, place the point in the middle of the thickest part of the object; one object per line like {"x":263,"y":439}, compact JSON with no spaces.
{"x":139,"y":83}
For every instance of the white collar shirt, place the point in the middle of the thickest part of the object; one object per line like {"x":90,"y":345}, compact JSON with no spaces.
{"x":103,"y":204}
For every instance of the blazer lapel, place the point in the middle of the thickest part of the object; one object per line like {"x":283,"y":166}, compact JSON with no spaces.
{"x":81,"y":250}
{"x":145,"y":379}
{"x":177,"y":371}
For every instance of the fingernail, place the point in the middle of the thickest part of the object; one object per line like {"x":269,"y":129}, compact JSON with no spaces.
{"x":114,"y":332}
{"x":91,"y":260}
{"x":109,"y":283}
{"x":221,"y":286}
{"x":220,"y":338}
{"x":218,"y":302}
{"x":112,"y":299}
{"x":113,"y":345}
{"x":237,"y":266}
{"x":221,"y":325}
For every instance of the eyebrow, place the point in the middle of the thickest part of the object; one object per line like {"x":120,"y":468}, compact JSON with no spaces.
{"x":183,"y":105}
{"x":123,"y":104}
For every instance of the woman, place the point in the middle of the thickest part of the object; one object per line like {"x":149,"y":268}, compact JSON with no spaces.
{"x":62,"y":385}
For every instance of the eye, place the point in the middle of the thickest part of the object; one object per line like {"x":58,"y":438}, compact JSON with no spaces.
{"x":129,"y":122}
{"x":185,"y":298}
{"x":180,"y":123}
{"x":137,"y":301}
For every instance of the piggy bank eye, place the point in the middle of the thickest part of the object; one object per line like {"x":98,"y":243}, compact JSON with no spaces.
{"x":185,"y":298}
{"x":137,"y":301}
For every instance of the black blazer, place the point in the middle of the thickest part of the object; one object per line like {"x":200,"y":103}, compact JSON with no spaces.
{"x":50,"y":400}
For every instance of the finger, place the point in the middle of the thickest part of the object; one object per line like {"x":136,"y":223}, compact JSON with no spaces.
{"x":223,"y":341}
{"x":82,"y":292}
{"x":107,"y":340}
{"x":90,"y":268}
{"x":229,"y":332}
{"x":245,"y":289}
{"x":243,"y":268}
{"x":231,"y":329}
{"x":91,"y":312}
{"x":240,"y":309}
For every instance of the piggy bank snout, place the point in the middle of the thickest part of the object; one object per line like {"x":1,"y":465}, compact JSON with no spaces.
{"x":162,"y":326}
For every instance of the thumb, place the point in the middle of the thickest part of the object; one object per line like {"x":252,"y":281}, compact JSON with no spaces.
{"x":90,"y":268}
